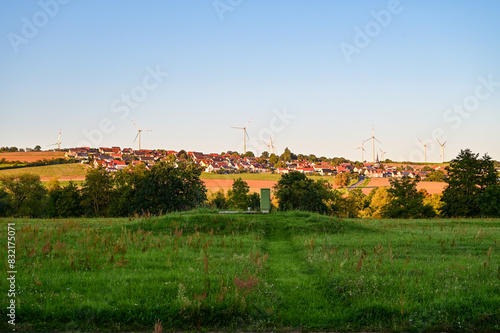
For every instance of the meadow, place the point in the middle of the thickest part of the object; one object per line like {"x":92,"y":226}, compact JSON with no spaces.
{"x":260,"y":176}
{"x":48,"y":171}
{"x":295,"y":271}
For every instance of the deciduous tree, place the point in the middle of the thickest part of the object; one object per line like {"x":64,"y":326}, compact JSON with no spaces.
{"x":297,"y":192}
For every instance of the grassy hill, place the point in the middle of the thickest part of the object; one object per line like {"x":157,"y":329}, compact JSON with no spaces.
{"x":48,"y":171}
{"x":283,"y":271}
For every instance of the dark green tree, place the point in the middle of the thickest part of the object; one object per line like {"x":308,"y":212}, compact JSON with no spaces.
{"x":182,"y":154}
{"x":237,"y":196}
{"x":265,"y":154}
{"x":27,"y":194}
{"x":435,"y":176}
{"x":124,"y":191}
{"x":4,"y":202}
{"x":248,"y":154}
{"x":66,"y":201}
{"x":468,"y":178}
{"x":97,"y":191}
{"x":406,"y":201}
{"x":286,"y":156}
{"x":273,"y":159}
{"x":218,"y":200}
{"x":488,"y":202}
{"x":167,"y":189}
{"x":297,"y":192}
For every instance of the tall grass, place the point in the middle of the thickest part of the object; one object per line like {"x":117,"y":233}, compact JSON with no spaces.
{"x":283,"y":271}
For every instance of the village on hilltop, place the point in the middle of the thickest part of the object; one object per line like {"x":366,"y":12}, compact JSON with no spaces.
{"x":115,"y":158}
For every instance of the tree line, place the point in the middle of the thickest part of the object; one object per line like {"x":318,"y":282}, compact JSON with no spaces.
{"x":134,"y":190}
{"x":473,"y":191}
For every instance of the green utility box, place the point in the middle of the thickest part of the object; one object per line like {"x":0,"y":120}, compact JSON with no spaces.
{"x":265,"y":200}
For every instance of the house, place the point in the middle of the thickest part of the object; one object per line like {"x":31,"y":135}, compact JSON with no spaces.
{"x":305,"y":170}
{"x":282,"y":170}
{"x":325,"y":171}
{"x":119,"y":165}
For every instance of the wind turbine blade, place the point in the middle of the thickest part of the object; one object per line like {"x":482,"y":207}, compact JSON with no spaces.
{"x":377,"y":140}
{"x":247,"y":134}
{"x":439,"y":142}
{"x":238,"y":127}
{"x":248,"y":122}
{"x":444,"y":143}
{"x":136,"y":137}
{"x":135,"y":125}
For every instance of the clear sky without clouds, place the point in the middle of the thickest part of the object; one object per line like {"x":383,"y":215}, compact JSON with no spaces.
{"x":316,"y":75}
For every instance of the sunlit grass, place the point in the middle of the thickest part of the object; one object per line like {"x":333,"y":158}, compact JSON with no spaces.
{"x":283,"y":271}
{"x":72,"y":169}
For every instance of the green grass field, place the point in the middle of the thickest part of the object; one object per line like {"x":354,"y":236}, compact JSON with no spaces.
{"x":277,"y":272}
{"x":257,"y":176}
{"x":48,"y":170}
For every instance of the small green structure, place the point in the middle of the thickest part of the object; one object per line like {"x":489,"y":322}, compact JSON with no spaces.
{"x":265,"y":200}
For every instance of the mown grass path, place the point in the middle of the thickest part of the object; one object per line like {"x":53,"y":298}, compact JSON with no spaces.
{"x":298,"y":298}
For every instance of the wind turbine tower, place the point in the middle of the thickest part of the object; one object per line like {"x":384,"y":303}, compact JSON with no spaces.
{"x":362,"y":147}
{"x":58,"y":143}
{"x":268,"y":147}
{"x":245,"y":135}
{"x":442,"y":149}
{"x":139,"y":134}
{"x":382,"y":154}
{"x":272,"y":145}
{"x":425,"y":150}
{"x":373,"y":138}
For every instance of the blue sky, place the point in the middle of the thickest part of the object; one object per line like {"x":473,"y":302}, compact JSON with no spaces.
{"x":316,"y":75}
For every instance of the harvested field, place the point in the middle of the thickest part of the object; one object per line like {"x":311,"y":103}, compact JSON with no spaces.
{"x":431,"y":187}
{"x":31,"y":156}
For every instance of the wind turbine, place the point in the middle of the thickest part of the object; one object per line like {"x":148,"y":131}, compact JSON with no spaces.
{"x":383,"y":153}
{"x":58,"y":143}
{"x":425,"y":150}
{"x":139,"y":134}
{"x":442,"y":149}
{"x":373,"y":138}
{"x":272,"y":144}
{"x":268,"y":147}
{"x":245,"y":135}
{"x":362,"y":151}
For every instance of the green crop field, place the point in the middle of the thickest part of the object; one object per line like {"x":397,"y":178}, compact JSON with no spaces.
{"x":48,"y":170}
{"x":277,"y":272}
